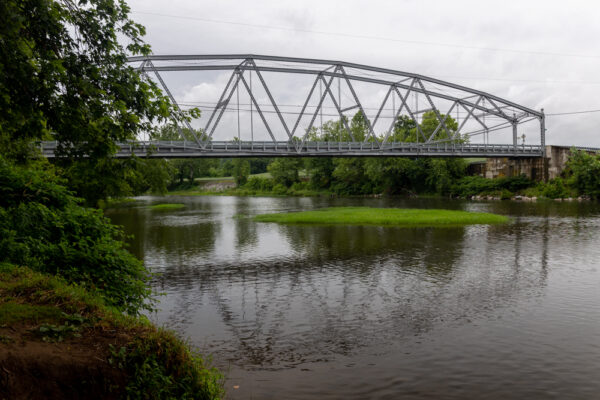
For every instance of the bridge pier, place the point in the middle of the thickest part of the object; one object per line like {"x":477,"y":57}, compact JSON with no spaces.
{"x":537,"y":168}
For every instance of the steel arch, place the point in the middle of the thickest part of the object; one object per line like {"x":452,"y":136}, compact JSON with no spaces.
{"x":476,"y":104}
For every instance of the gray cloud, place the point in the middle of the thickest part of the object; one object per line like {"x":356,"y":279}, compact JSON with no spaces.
{"x":557,"y":83}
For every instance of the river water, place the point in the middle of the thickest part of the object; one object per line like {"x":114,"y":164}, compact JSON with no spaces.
{"x":326,"y":312}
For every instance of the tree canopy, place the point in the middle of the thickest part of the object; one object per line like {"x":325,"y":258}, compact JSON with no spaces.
{"x":64,"y":76}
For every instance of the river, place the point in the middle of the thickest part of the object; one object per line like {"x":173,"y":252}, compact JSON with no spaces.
{"x":326,"y":312}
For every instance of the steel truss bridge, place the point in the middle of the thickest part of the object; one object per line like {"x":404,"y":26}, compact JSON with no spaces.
{"x":465,"y":118}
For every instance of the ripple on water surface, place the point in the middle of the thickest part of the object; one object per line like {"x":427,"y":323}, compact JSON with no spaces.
{"x":505,"y":311}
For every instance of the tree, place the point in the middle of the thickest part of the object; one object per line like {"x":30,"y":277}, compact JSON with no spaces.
{"x":584,"y":172}
{"x":241,"y":170}
{"x":64,"y":75}
{"x":285,"y":170}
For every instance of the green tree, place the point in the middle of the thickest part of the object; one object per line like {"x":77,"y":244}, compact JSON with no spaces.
{"x":241,"y":171}
{"x":64,"y":75}
{"x":583,"y":170}
{"x":285,"y":170}
{"x":320,"y":170}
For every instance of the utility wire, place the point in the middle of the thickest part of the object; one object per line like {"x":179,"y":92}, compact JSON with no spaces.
{"x":368,"y":37}
{"x":574,"y":112}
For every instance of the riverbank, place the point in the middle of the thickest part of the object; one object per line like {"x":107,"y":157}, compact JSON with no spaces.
{"x":522,"y":195}
{"x":60,"y":341}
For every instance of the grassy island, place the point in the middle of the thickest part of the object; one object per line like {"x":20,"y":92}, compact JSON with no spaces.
{"x":167,"y":206}
{"x":410,"y":217}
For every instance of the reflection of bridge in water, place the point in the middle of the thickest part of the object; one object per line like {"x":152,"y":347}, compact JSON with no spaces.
{"x":464,"y":118}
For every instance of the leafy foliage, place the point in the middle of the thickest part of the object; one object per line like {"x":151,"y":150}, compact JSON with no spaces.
{"x":285,"y":170}
{"x":155,"y":363}
{"x":474,"y":185}
{"x":583,"y":170}
{"x":241,"y":170}
{"x":42,"y":226}
{"x":161,"y":366}
{"x":64,"y":76}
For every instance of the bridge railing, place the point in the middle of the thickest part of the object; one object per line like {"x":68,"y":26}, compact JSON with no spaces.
{"x":173,"y":149}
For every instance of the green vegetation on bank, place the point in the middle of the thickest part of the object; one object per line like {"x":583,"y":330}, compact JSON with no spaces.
{"x":148,"y":363}
{"x":66,"y":273}
{"x":43,"y":226}
{"x":167,"y":206}
{"x":406,"y":176}
{"x":383,"y":217}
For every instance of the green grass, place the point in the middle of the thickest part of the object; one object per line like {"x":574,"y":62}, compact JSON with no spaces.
{"x":167,"y":206}
{"x":12,"y":312}
{"x":155,"y":362}
{"x":383,"y":217}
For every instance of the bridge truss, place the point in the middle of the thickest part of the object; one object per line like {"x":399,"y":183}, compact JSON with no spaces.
{"x":267,"y":125}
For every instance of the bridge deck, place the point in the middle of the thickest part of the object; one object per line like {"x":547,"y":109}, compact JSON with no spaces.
{"x":188,"y":149}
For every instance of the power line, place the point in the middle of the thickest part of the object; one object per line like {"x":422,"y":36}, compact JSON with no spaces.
{"x":368,"y":37}
{"x":575,"y":112}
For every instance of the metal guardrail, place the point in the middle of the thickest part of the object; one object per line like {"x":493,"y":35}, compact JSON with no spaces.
{"x":190,"y":149}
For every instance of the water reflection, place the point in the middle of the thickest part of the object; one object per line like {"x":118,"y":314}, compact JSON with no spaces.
{"x":280,"y":299}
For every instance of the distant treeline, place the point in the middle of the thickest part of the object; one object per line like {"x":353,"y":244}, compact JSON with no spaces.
{"x":339,"y":176}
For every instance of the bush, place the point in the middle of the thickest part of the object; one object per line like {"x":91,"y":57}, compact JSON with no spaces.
{"x":161,"y":366}
{"x":279,"y":189}
{"x":259,"y":184}
{"x":555,"y":189}
{"x":584,"y":171}
{"x":43,"y":226}
{"x":474,"y":185}
{"x":505,"y":194}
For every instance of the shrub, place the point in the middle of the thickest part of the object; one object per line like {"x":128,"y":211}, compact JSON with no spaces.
{"x":43,"y":226}
{"x":554,"y":189}
{"x":584,"y":171}
{"x":260,"y":184}
{"x":474,"y":185}
{"x":505,"y":194}
{"x":279,"y":189}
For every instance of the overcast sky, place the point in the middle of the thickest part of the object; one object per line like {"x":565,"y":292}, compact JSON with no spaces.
{"x":541,"y":54}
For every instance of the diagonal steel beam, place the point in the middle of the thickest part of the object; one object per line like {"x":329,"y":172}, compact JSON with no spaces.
{"x":220,"y":103}
{"x":258,"y":109}
{"x":312,"y":121}
{"x":471,"y":114}
{"x":224,"y":106}
{"x":360,"y":107}
{"x":264,"y":84}
{"x":177,"y":108}
{"x":499,"y":109}
{"x":310,"y":93}
{"x":435,"y":110}
{"x":444,"y":122}
{"x":391,"y":128}
{"x":419,"y":130}
{"x":335,"y":103}
{"x":387,"y":95}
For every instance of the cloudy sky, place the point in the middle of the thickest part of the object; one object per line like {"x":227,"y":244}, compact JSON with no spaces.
{"x":542,"y":54}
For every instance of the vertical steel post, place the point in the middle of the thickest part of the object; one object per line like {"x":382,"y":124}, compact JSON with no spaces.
{"x":514,"y":131}
{"x":251,"y":112}
{"x":543,"y":133}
